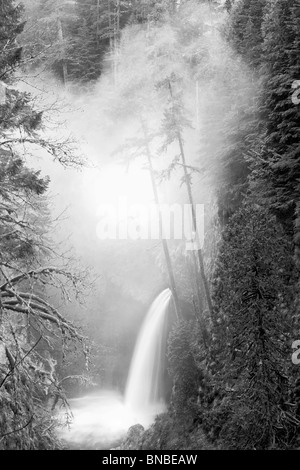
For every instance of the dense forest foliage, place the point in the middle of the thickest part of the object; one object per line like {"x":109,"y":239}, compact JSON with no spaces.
{"x":211,"y":90}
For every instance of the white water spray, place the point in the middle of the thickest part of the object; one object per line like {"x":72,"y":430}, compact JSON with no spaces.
{"x":144,"y":389}
{"x":101,"y":418}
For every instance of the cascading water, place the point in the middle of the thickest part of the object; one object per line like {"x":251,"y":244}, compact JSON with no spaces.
{"x":144,"y":388}
{"x":101,"y":418}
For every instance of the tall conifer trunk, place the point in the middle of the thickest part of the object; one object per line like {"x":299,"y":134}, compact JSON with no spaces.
{"x":61,"y":40}
{"x":161,"y":234}
{"x":202,"y":276}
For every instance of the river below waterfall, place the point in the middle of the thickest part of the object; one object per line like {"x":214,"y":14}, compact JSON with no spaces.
{"x":101,"y":420}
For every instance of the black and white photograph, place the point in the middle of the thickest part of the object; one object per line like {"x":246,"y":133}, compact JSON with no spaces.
{"x":149,"y":228}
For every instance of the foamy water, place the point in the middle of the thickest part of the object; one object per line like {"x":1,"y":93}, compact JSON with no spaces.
{"x":99,"y":419}
{"x":103,"y":418}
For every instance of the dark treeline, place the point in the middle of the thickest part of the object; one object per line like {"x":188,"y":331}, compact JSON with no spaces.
{"x":234,"y":383}
{"x":79,"y":34}
{"x":30,"y":264}
{"x":240,"y":390}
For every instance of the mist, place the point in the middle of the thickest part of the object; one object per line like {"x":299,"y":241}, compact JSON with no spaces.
{"x":104,"y":121}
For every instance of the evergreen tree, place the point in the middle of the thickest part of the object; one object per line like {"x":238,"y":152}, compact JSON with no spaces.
{"x":27,"y":317}
{"x":245,"y":29}
{"x":253,"y":295}
{"x":10,"y":27}
{"x":282,"y":117}
{"x":47,"y":35}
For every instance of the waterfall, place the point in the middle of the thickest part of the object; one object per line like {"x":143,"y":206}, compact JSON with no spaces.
{"x":144,"y":388}
{"x":102,"y":417}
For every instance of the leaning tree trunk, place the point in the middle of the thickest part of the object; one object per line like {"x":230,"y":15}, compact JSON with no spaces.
{"x":61,"y":40}
{"x":161,"y":235}
{"x":194,"y":219}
